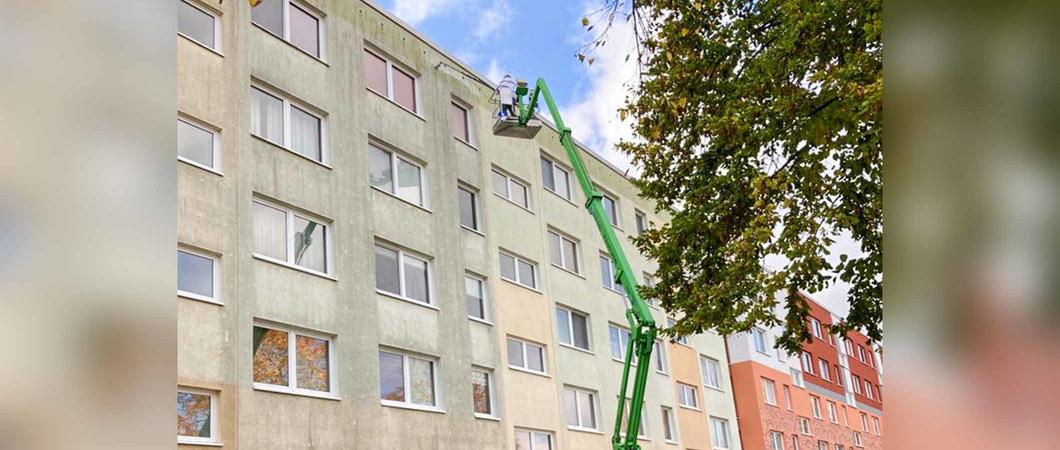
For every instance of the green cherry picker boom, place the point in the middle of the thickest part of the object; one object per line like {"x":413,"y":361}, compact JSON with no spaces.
{"x":641,"y":324}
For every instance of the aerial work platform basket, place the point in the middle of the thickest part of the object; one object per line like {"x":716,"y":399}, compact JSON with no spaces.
{"x":509,"y":127}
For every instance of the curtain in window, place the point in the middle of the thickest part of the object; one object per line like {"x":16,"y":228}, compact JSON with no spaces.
{"x":386,"y":270}
{"x":270,"y":231}
{"x":404,"y":89}
{"x":379,"y":171}
{"x":266,"y":116}
{"x":416,"y":283}
{"x":304,"y":34}
{"x":409,"y":182}
{"x":305,"y":134}
{"x":375,"y":72}
{"x":269,"y":15}
{"x":422,"y":380}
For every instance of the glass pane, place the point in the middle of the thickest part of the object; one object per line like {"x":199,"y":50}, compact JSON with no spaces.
{"x":519,"y":195}
{"x":587,"y":410}
{"x":266,"y":113}
{"x":270,"y":356}
{"x":195,"y":274}
{"x":409,"y":182}
{"x":386,"y":270}
{"x":563,"y":324}
{"x":473,"y":293}
{"x":421,"y":379}
{"x":310,"y":245}
{"x":269,"y":15}
{"x":605,"y":272}
{"x":515,"y":354}
{"x":500,"y":185}
{"x":570,"y":255}
{"x":507,"y":266}
{"x":196,"y":24}
{"x":270,"y":231}
{"x":562,"y":184}
{"x":467,"y":209}
{"x":193,"y":414}
{"x":526,"y":274}
{"x":554,"y":249}
{"x":391,"y":377}
{"x":379,"y":170}
{"x":404,"y":89}
{"x":305,"y":134}
{"x":547,"y":177}
{"x":609,"y":208}
{"x":535,"y":358}
{"x":312,"y":363}
{"x":480,"y":392}
{"x":522,"y":440}
{"x":304,"y":31}
{"x":416,"y":282}
{"x":458,"y":120}
{"x":668,"y":433}
{"x":194,"y":143}
{"x":570,"y":406}
{"x":616,"y":343}
{"x":375,"y":72}
{"x":542,"y":441}
{"x":581,"y":331}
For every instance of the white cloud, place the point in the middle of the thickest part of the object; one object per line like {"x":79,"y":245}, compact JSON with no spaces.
{"x":493,"y":20}
{"x":495,"y":72}
{"x":415,"y":11}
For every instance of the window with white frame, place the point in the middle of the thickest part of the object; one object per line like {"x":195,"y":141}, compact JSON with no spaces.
{"x":470,"y":216}
{"x":804,"y":426}
{"x":396,"y":175}
{"x":511,"y":189}
{"x":608,"y":272}
{"x":649,"y":282}
{"x":876,"y":425}
{"x":711,"y":369}
{"x":687,"y":396}
{"x":849,"y":346}
{"x":864,"y":422}
{"x":197,"y":416}
{"x":573,"y":328}
{"x":407,"y":380}
{"x":292,"y":361}
{"x":475,"y":294}
{"x":815,"y":406}
{"x":833,"y":415}
{"x":823,"y":366}
{"x":610,"y":208}
{"x":198,"y":24}
{"x":839,"y":447}
{"x":620,"y":338}
{"x":669,"y":425}
{"x":868,"y":390}
{"x":831,"y":339}
{"x":390,"y":80}
{"x":402,"y":274}
{"x":794,"y":442}
{"x":776,"y":440}
{"x":807,"y":362}
{"x":555,"y":178}
{"x":856,"y":384}
{"x":482,"y":392}
{"x":198,"y":144}
{"x":659,"y":356}
{"x":641,"y":221}
{"x":197,"y":275}
{"x":761,"y":341}
{"x":857,"y":439}
{"x":579,"y":405}
{"x":796,"y":378}
{"x":525,"y":355}
{"x":275,"y":118}
{"x":642,"y":427}
{"x":290,"y":237}
{"x":787,"y":396}
{"x":861,"y":353}
{"x":564,"y":251}
{"x":822,"y":445}
{"x":670,"y":322}
{"x":292,"y":21}
{"x":769,"y":390}
{"x":815,"y":327}
{"x":518,"y":270}
{"x":460,"y":121}
{"x":532,"y":440}
{"x":719,"y":432}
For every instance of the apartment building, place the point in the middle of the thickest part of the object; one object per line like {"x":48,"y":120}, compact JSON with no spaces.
{"x":829,"y":397}
{"x":363,"y":265}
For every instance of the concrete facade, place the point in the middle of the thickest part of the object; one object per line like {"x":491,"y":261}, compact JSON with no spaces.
{"x":216,"y":218}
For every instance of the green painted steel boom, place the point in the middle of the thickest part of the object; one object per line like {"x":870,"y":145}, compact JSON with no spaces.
{"x":641,"y":324}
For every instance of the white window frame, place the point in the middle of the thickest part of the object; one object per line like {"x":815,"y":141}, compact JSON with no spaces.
{"x":215,"y":435}
{"x":526,"y":368}
{"x":486,"y":316}
{"x":876,"y":426}
{"x":758,"y":335}
{"x":510,"y":179}
{"x":856,"y":383}
{"x":621,"y":348}
{"x":681,"y":389}
{"x":288,"y":103}
{"x":476,"y":204}
{"x":833,"y":413}
{"x":396,"y":157}
{"x":615,"y":222}
{"x":868,"y":390}
{"x":470,"y":129}
{"x":407,"y":381}
{"x":292,"y":362}
{"x":857,"y":439}
{"x":861,"y":354}
{"x":215,"y":133}
{"x":804,"y":426}
{"x":216,"y":260}
{"x":570,"y":312}
{"x":390,"y":67}
{"x":815,"y":407}
{"x":216,"y":26}
{"x":532,"y":433}
{"x":724,"y":424}
{"x":642,"y":431}
{"x":563,"y":239}
{"x":787,"y":396}
{"x":578,"y":409}
{"x":769,"y":391}
{"x":864,"y":422}
{"x":824,"y":370}
{"x":329,"y":241}
{"x":640,"y":222}
{"x":660,"y":358}
{"x":402,"y":254}
{"x":796,"y":378}
{"x":822,"y":445}
{"x":815,"y":327}
{"x":668,"y":419}
{"x":807,"y":362}
{"x":775,"y":438}
{"x":615,"y":286}
{"x":708,"y":365}
{"x":518,"y":280}
{"x":556,"y":166}
{"x":321,"y":27}
{"x":492,"y":392}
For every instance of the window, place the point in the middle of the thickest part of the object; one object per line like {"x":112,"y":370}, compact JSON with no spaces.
{"x":769,"y":390}
{"x":659,"y":353}
{"x":608,"y":272}
{"x":564,"y":250}
{"x":619,"y":342}
{"x":807,"y":362}
{"x":197,"y":276}
{"x":864,"y":422}
{"x":760,"y":340}
{"x":643,"y":420}
{"x":198,"y":24}
{"x":406,"y":380}
{"x":573,"y":328}
{"x":397,"y":175}
{"x":794,"y":442}
{"x":686,"y":396}
{"x":839,"y":375}
{"x":611,"y":208}
{"x":526,"y":356}
{"x":482,"y":392}
{"x":669,"y":426}
{"x":823,"y":365}
{"x":196,"y":416}
{"x":641,"y":222}
{"x":815,"y":405}
{"x":815,"y":327}
{"x":555,"y":178}
{"x":875,"y":425}
{"x":289,"y":237}
{"x":849,"y":346}
{"x":511,"y":189}
{"x":532,"y":440}
{"x":402,"y":274}
{"x":822,"y":445}
{"x":838,"y":447}
{"x":796,"y":378}
{"x":787,"y":397}
{"x":518,"y":270}
{"x":856,"y":384}
{"x":579,"y":406}
{"x":197,"y":145}
{"x":719,"y":433}
{"x":469,"y":209}
{"x":276,"y":119}
{"x":475,"y":294}
{"x":385,"y":78}
{"x":857,"y":439}
{"x":804,"y":426}
{"x":711,"y":371}
{"x":868,"y":389}
{"x":831,"y":341}
{"x":292,"y":22}
{"x":832,"y":414}
{"x":670,"y":322}
{"x":776,"y":440}
{"x":311,"y":362}
{"x":861,"y":353}
{"x":459,"y":120}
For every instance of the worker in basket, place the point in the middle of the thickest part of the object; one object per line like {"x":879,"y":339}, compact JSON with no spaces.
{"x":506,"y":94}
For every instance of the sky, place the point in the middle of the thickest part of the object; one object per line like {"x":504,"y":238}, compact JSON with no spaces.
{"x":531,"y":39}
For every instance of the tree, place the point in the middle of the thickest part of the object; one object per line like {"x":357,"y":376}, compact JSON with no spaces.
{"x":758,"y":127}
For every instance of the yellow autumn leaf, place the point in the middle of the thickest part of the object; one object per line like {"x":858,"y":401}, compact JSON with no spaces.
{"x":585,"y":21}
{"x":621,"y":114}
{"x":684,"y":32}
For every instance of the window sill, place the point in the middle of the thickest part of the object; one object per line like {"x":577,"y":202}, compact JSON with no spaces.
{"x":693,"y":408}
{"x":568,"y":271}
{"x":473,"y":230}
{"x":774,"y":405}
{"x":273,"y":144}
{"x":482,"y":321}
{"x":403,"y":108}
{"x":577,"y":348}
{"x":562,"y":197}
{"x":199,"y":298}
{"x":298,"y":392}
{"x":200,"y":166}
{"x":411,"y":406}
{"x":406,"y":299}
{"x":292,"y":266}
{"x":201,"y":444}
{"x":200,"y":44}
{"x":584,"y":430}
{"x":631,"y":364}
{"x":391,"y":195}
{"x":665,"y":374}
{"x":531,"y":372}
{"x":487,"y":417}
{"x":523,"y":286}
{"x":289,"y":44}
{"x":671,"y":442}
{"x":524,"y":208}
{"x":466,"y":143}
{"x":714,"y":388}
